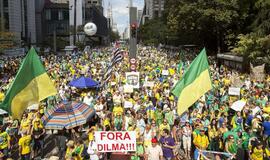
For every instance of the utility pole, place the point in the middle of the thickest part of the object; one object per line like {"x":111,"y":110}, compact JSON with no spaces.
{"x":133,"y":31}
{"x":75,"y":25}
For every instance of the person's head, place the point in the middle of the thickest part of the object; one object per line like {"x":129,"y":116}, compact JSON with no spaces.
{"x":79,"y":141}
{"x":260,"y":145}
{"x":154,"y":142}
{"x":231,"y":138}
{"x":166,"y":132}
{"x":153,"y":124}
{"x":70,"y":144}
{"x":165,"y":122}
{"x":202,"y":131}
{"x":187,"y":124}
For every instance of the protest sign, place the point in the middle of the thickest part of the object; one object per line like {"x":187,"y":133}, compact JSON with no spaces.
{"x":149,"y":84}
{"x":115,"y":141}
{"x":133,"y":79}
{"x":128,"y":89}
{"x":238,"y":105}
{"x":233,"y":91}
{"x":165,"y":72}
{"x":257,"y":73}
{"x":128,"y":104}
{"x":236,"y":81}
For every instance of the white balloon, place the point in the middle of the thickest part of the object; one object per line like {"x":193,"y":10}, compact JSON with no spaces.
{"x":90,"y":29}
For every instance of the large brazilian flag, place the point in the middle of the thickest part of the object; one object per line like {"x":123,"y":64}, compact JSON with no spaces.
{"x":194,"y":84}
{"x":31,"y":85}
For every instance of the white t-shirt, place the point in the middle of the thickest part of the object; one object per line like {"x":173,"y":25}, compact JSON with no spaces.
{"x":99,"y":107}
{"x":154,"y":153}
{"x":117,"y":99}
{"x":91,"y":150}
{"x":87,"y":100}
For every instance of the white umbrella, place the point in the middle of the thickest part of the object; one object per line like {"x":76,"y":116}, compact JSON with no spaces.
{"x":3,"y":112}
{"x":238,"y":105}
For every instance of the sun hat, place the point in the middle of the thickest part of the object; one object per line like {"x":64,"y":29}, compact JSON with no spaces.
{"x":70,"y":143}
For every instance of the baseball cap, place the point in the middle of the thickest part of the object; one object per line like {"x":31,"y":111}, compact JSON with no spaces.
{"x":154,"y":140}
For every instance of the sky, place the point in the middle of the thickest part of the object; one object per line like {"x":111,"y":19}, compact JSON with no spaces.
{"x":120,"y":11}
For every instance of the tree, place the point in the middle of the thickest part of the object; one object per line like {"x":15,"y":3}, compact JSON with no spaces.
{"x":7,"y":39}
{"x":256,"y":45}
{"x":154,"y":32}
{"x":114,"y":36}
{"x":206,"y":22}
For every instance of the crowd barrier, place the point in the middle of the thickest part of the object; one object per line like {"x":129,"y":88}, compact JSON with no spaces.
{"x":202,"y":154}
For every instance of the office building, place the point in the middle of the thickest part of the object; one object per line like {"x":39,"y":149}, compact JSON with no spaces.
{"x":23,"y":18}
{"x":152,"y":9}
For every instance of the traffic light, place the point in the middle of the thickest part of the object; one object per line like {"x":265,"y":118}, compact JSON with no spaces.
{"x":133,"y":30}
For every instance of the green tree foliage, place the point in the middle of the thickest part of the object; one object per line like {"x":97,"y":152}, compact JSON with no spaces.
{"x":114,"y":36}
{"x":256,"y":45}
{"x":7,"y":39}
{"x":155,"y":31}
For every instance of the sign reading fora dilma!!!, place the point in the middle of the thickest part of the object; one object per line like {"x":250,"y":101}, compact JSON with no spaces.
{"x":115,"y":141}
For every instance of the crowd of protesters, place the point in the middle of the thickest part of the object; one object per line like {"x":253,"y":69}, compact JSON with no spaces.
{"x":209,"y":129}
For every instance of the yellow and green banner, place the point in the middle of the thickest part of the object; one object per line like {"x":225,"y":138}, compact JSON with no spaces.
{"x":195,"y":83}
{"x":31,"y":85}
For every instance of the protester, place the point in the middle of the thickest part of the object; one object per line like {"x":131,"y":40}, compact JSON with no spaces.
{"x":210,"y":124}
{"x":154,"y":152}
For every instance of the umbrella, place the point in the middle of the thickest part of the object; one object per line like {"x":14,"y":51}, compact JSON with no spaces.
{"x":238,"y":105}
{"x":67,"y":115}
{"x":2,"y":112}
{"x":83,"y":82}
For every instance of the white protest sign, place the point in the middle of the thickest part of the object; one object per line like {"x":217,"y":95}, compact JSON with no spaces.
{"x":149,"y":84}
{"x":128,"y":89}
{"x":128,"y":104}
{"x":234,"y":91}
{"x":238,"y":105}
{"x":115,"y":141}
{"x":133,"y":79}
{"x":165,"y":72}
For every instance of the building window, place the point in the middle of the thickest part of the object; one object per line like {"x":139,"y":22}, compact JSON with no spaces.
{"x":48,"y":14}
{"x":5,"y":3}
{"x":60,"y":15}
{"x":54,"y":15}
{"x":156,"y":14}
{"x":6,"y":20}
{"x":66,"y":15}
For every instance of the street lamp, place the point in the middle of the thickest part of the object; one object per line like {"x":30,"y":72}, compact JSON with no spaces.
{"x":75,"y":25}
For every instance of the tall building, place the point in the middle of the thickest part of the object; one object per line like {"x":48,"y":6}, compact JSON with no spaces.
{"x":23,"y":18}
{"x":55,"y":20}
{"x":110,"y":15}
{"x":126,"y":33}
{"x":139,"y":16}
{"x":153,"y":9}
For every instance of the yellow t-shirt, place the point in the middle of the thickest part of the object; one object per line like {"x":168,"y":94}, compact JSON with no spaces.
{"x":226,"y":82}
{"x":25,"y":143}
{"x":25,"y":124}
{"x":91,"y":134}
{"x":4,"y":138}
{"x":162,"y":126}
{"x":2,"y":96}
{"x":201,"y":141}
{"x":257,"y":154}
{"x":118,"y":111}
{"x":267,"y":152}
